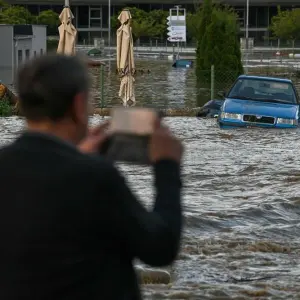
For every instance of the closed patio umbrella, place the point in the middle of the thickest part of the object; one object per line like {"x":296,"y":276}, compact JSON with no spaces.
{"x":67,"y":32}
{"x":125,"y":59}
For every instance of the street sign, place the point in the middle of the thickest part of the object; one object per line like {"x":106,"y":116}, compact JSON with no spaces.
{"x":177,"y":28}
{"x":178,"y":34}
{"x":176,"y":25}
{"x":175,"y":39}
{"x":178,"y":18}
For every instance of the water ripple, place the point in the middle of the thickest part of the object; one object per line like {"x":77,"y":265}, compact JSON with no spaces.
{"x":242,"y":211}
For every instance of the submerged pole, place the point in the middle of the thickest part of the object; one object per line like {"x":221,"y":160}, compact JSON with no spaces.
{"x":247,"y":36}
{"x":109,"y":31}
{"x":212,"y":83}
{"x":102,"y":89}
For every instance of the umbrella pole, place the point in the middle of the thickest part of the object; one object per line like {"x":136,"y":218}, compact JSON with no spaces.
{"x":102,"y":90}
{"x":67,"y":3}
{"x":109,"y":32}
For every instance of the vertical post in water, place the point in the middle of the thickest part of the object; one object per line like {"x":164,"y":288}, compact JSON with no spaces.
{"x":109,"y":31}
{"x":212,"y":82}
{"x":102,"y":89}
{"x":170,"y":25}
{"x":178,"y":41}
{"x":247,"y":36}
{"x":174,"y":58}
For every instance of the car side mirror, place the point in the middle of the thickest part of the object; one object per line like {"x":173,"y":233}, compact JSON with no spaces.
{"x":221,"y":94}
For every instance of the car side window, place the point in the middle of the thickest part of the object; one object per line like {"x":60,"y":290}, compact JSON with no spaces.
{"x":237,"y":87}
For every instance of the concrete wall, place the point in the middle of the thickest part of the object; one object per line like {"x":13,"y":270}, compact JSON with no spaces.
{"x":16,"y":50}
{"x":23,"y":50}
{"x":6,"y":54}
{"x":39,"y":41}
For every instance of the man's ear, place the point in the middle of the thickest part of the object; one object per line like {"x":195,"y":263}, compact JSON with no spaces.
{"x":79,"y":108}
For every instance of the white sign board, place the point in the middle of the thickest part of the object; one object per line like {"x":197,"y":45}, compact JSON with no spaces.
{"x":175,"y":39}
{"x":176,"y":27}
{"x":177,"y":34}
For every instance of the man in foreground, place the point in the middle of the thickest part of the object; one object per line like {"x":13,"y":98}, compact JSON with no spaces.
{"x":70,"y":226}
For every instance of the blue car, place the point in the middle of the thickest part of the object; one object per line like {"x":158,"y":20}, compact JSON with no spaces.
{"x":256,"y":101}
{"x":210,"y":109}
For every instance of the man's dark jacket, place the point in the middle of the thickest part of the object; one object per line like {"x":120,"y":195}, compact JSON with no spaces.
{"x":70,"y":227}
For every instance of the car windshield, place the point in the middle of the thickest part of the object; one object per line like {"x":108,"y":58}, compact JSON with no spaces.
{"x":263,"y":90}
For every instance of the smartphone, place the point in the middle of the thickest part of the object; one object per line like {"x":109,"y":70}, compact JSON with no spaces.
{"x":129,"y":133}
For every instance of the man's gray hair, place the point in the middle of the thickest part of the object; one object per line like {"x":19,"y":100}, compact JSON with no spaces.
{"x":48,"y":84}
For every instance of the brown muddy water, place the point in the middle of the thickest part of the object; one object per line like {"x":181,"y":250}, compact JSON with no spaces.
{"x":241,"y":201}
{"x":241,"y":197}
{"x":159,"y":85}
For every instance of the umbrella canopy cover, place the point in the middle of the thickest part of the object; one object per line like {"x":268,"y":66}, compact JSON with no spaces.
{"x":125,"y":59}
{"x":67,"y":33}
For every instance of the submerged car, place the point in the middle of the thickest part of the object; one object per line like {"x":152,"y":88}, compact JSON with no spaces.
{"x":210,"y":109}
{"x":256,"y":101}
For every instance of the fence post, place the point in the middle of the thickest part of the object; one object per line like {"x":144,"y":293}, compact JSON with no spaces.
{"x":102,"y":89}
{"x":212,"y":82}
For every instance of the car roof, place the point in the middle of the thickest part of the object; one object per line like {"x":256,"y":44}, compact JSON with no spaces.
{"x":265,"y":78}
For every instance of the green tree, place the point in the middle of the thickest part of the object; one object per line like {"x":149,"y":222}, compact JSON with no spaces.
{"x":15,"y":15}
{"x":218,"y":45}
{"x":158,"y":19}
{"x":193,"y":21}
{"x":3,"y":5}
{"x":205,"y":14}
{"x":142,"y":28}
{"x":286,"y":25}
{"x":49,"y":18}
{"x":153,"y":24}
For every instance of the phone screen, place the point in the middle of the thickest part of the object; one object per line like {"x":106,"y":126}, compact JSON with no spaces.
{"x":129,"y":135}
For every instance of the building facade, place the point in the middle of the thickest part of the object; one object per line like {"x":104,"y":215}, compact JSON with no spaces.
{"x":91,"y":16}
{"x":18,"y":44}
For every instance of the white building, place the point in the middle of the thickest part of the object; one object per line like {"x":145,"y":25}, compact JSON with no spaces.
{"x":18,"y":44}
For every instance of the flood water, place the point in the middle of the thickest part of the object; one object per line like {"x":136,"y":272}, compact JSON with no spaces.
{"x":242,"y":211}
{"x":157,"y":84}
{"x":241,"y":201}
{"x":160,"y":85}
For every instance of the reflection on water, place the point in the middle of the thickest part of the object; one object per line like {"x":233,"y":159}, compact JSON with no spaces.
{"x":165,"y":86}
{"x":177,"y":77}
{"x":242,"y":211}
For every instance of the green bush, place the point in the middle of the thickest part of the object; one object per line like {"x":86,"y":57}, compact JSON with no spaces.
{"x":6,"y":109}
{"x":52,"y":45}
{"x":218,"y":45}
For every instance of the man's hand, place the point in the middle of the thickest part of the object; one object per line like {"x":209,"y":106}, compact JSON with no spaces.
{"x":164,"y":145}
{"x":94,"y":139}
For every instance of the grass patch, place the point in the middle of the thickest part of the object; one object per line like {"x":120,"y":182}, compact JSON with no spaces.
{"x":6,"y":109}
